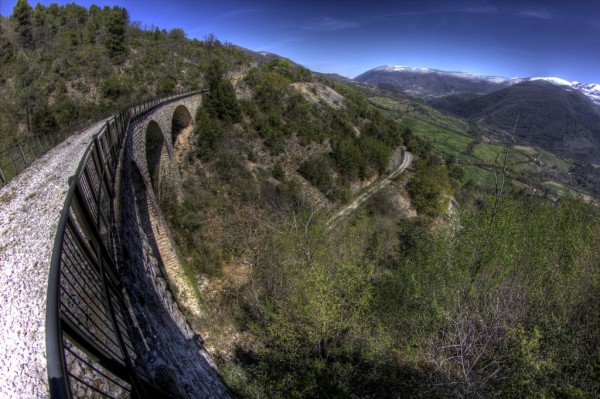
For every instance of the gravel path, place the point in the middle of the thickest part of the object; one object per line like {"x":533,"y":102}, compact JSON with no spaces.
{"x":30,"y":207}
{"x":345,"y":211}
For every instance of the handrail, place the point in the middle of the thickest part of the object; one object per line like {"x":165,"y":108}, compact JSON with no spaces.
{"x":15,"y":158}
{"x":88,"y":342}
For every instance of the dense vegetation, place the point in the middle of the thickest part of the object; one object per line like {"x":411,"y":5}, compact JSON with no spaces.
{"x":499,"y":297}
{"x":67,"y":64}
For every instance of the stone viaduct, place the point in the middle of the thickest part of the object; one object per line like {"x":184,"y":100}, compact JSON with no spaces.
{"x":150,"y":171}
{"x":167,"y":348}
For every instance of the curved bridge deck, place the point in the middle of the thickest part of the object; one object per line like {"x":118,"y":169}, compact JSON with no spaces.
{"x":31,"y":205}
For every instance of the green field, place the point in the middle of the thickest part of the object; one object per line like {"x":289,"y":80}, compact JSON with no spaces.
{"x":436,"y":133}
{"x":486,"y":179}
{"x":494,"y":154}
{"x":519,"y":158}
{"x":397,"y":109}
{"x":558,"y":189}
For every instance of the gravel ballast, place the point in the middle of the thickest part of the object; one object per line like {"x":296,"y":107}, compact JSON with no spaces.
{"x":31,"y":205}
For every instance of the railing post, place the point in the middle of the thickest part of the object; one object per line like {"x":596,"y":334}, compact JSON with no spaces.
{"x":2,"y":178}
{"x":22,"y":154}
{"x":37,"y":139}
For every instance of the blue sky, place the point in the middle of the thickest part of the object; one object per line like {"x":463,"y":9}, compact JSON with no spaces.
{"x":504,"y":38}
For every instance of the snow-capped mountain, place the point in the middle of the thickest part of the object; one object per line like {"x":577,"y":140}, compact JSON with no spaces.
{"x":465,"y":75}
{"x":591,"y":90}
{"x":431,"y":83}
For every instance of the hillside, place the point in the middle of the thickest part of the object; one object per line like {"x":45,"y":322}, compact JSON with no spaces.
{"x":430,"y":83}
{"x":558,"y":119}
{"x":459,"y":278}
{"x":67,"y":65}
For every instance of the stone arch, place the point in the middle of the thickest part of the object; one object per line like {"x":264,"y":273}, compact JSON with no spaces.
{"x":156,"y":155}
{"x":181,"y":120}
{"x":139,"y":186}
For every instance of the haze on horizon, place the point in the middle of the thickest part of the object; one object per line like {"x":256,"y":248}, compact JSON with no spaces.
{"x":503,"y":38}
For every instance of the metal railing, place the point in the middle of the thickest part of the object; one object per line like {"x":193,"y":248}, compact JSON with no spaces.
{"x":88,"y":341}
{"x":17,"y":157}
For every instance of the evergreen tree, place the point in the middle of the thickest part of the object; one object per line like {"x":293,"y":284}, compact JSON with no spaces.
{"x":22,"y":16}
{"x":95,"y":24}
{"x":223,"y":104}
{"x":6,"y":49}
{"x":115,"y":27}
{"x":214,"y":74}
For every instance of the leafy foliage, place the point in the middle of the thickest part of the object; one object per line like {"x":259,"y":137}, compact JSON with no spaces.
{"x":430,"y":189}
{"x":91,"y":61}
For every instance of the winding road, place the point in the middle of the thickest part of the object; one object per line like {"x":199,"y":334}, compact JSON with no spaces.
{"x":345,"y":211}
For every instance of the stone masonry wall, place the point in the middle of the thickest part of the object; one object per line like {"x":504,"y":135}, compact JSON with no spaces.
{"x":171,"y":354}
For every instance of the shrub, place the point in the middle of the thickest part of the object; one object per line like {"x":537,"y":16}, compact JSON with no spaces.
{"x":318,"y":172}
{"x":430,"y":189}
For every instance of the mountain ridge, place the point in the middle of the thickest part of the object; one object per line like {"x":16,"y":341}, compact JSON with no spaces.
{"x":458,"y":82}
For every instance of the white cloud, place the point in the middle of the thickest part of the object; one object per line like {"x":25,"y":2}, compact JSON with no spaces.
{"x":325,"y":24}
{"x":538,"y":14}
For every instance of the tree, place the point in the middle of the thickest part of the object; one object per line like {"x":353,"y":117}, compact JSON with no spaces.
{"x":177,"y":34}
{"x":95,"y":24}
{"x":270,"y":91}
{"x":115,"y":28}
{"x":377,"y":153}
{"x":222,"y":103}
{"x":210,"y":132}
{"x":22,"y":16}
{"x":349,"y":159}
{"x":214,"y":74}
{"x":6,"y":48}
{"x":28,"y":90}
{"x":317,"y":171}
{"x":44,"y":121}
{"x":314,"y":297}
{"x":430,"y":189}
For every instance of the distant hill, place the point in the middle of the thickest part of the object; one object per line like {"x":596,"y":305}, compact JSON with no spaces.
{"x":431,"y":83}
{"x":558,"y":118}
{"x":259,"y":56}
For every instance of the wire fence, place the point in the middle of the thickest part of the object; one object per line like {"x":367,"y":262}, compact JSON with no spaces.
{"x":88,"y":341}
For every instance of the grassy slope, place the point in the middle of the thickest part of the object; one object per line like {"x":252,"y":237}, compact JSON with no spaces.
{"x":444,"y":133}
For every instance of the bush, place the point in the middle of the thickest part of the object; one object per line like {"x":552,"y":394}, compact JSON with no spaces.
{"x":349,"y":159}
{"x":166,"y":85}
{"x":278,"y":172}
{"x":112,"y":88}
{"x":44,"y":121}
{"x":430,"y":189}
{"x":318,"y":172}
{"x":377,"y":153}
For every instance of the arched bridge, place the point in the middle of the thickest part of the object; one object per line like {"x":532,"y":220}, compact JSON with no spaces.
{"x":86,"y":310}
